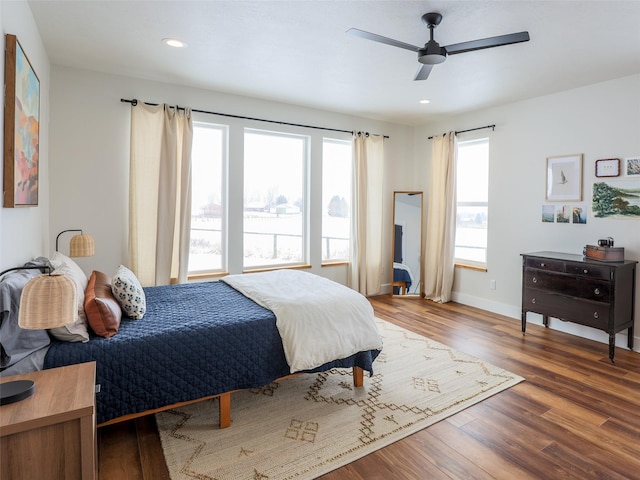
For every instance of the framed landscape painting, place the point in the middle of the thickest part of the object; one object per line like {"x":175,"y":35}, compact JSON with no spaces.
{"x":21,"y":128}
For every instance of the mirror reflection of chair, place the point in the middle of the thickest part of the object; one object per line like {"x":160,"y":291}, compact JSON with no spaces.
{"x":407,"y":244}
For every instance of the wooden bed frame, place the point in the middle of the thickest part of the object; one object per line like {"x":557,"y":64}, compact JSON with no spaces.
{"x":225,"y":402}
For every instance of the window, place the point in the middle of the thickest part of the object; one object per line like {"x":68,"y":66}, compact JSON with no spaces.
{"x":208,"y":159}
{"x":274,"y":222}
{"x":472,"y":190}
{"x":336,"y":199}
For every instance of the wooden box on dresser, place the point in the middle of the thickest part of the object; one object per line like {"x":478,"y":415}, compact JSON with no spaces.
{"x":579,"y":290}
{"x":51,"y":434}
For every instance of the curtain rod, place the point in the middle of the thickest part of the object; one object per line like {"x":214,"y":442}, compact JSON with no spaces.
{"x":492,"y":127}
{"x":134,"y":102}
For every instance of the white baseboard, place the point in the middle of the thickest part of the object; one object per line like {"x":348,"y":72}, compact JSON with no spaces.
{"x":536,"y":319}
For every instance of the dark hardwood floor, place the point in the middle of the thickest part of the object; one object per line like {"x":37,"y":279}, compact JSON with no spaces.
{"x":577,"y":416}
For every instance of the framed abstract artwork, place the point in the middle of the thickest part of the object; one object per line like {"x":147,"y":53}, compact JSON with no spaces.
{"x":21,"y":128}
{"x":564,"y":179}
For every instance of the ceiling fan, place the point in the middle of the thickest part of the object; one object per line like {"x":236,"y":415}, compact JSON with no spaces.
{"x":432,"y":53}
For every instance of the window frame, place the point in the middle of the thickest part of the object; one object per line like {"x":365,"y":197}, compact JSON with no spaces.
{"x":224,"y":199}
{"x":304,"y":211}
{"x":347,"y":259}
{"x":463,"y":262}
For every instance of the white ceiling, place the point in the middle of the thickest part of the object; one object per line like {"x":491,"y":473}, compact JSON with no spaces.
{"x":297,"y":51}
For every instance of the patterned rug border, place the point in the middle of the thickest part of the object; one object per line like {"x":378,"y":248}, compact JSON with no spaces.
{"x":326,"y":464}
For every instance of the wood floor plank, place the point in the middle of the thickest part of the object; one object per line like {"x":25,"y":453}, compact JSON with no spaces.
{"x":576,"y":416}
{"x":586,"y":467}
{"x":584,"y":440}
{"x":148,"y":440}
{"x":118,"y":452}
{"x":448,"y":460}
{"x":519,"y":444}
{"x":478,"y":452}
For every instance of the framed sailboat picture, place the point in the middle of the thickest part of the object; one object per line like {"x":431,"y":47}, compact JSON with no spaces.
{"x":564,"y":178}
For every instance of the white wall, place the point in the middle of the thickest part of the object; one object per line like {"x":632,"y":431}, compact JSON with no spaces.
{"x":89,"y":168}
{"x":90,"y":156}
{"x":24,"y":231}
{"x":599,"y":121}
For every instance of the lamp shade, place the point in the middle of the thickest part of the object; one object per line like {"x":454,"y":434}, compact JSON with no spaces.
{"x":81,"y":246}
{"x":48,"y":301}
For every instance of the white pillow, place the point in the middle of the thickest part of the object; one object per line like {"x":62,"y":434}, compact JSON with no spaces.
{"x":78,"y":275}
{"x":129,"y":293}
{"x":76,"y":331}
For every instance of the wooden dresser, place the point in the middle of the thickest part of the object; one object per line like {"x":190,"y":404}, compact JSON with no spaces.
{"x":52,"y":433}
{"x":579,"y":290}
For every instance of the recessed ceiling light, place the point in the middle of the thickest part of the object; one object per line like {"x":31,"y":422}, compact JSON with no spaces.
{"x":174,"y":42}
{"x":424,"y":101}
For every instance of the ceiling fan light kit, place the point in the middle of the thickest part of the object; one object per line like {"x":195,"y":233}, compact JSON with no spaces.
{"x":432,"y":53}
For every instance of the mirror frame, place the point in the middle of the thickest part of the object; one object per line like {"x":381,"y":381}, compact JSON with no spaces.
{"x":421,"y":245}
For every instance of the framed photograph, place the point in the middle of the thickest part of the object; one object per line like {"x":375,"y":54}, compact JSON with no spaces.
{"x":21,"y":128}
{"x":608,"y":167}
{"x":563,"y":214}
{"x":632,"y":166}
{"x":548,"y":213}
{"x":564,"y":178}
{"x":579,"y":216}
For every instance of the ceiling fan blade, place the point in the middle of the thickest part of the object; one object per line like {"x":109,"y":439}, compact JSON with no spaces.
{"x":379,"y":38}
{"x":423,"y":72}
{"x":487,"y":43}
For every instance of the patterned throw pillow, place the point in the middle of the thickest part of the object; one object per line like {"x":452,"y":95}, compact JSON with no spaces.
{"x":129,"y":293}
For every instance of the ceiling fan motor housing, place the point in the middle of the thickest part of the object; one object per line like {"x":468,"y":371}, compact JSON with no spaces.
{"x":432,"y":53}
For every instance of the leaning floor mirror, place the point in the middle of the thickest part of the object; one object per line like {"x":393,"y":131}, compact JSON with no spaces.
{"x":407,"y":244}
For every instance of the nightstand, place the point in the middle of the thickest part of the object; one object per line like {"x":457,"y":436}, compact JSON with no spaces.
{"x":51,"y":434}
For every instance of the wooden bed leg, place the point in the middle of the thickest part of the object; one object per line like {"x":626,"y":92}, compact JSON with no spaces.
{"x":225,"y":409}
{"x":358,"y":377}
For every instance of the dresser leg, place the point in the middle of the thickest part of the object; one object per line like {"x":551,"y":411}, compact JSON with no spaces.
{"x":630,"y":338}
{"x":524,"y":322}
{"x":545,"y":320}
{"x":612,"y":346}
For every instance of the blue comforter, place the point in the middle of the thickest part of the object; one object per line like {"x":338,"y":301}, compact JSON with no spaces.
{"x":401,"y":275}
{"x":195,"y":340}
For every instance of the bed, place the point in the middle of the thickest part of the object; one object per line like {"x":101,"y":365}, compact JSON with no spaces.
{"x":197,"y":341}
{"x":402,"y":279}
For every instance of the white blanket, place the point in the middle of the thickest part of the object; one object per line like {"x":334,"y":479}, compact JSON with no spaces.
{"x":319,"y":320}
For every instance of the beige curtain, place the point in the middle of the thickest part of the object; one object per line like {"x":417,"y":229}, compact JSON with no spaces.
{"x":365,"y":266}
{"x":441,"y":220}
{"x":160,"y":193}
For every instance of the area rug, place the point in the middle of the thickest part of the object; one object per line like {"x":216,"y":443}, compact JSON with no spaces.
{"x":306,"y":426}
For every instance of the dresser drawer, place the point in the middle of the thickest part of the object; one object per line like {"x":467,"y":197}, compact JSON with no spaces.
{"x":569,"y":309}
{"x":581,"y":287}
{"x":588,"y":270}
{"x":545,"y":264}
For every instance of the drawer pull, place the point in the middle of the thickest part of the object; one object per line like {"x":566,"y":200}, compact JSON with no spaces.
{"x":597,"y":291}
{"x":595,"y":315}
{"x":533,"y":300}
{"x":534,"y":280}
{"x":542,"y":265}
{"x":585,"y":271}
